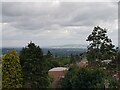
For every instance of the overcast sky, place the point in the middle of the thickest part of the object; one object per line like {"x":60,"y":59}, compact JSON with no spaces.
{"x":56,"y":23}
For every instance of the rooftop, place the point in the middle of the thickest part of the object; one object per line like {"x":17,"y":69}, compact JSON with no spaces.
{"x":58,"y":69}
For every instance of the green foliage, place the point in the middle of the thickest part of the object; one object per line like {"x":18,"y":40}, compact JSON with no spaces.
{"x":50,"y":79}
{"x":34,"y":67}
{"x":74,"y":58}
{"x":101,"y":46}
{"x":87,"y":78}
{"x":11,"y":70}
{"x":63,"y":60}
{"x":116,"y":61}
{"x":113,"y":82}
{"x":69,"y":78}
{"x":115,"y":64}
{"x":51,"y":60}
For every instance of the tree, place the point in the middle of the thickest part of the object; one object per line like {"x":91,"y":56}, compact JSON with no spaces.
{"x":101,"y":46}
{"x":51,"y":60}
{"x":67,"y":81}
{"x":34,"y":67}
{"x":77,"y":58}
{"x":115,"y":64}
{"x":72,"y":59}
{"x":11,"y":70}
{"x":49,"y":54}
{"x":88,"y":78}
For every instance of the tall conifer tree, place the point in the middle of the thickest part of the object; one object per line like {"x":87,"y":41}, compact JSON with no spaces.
{"x":34,"y":67}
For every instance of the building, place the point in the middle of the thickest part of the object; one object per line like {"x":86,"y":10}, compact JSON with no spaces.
{"x":57,"y":73}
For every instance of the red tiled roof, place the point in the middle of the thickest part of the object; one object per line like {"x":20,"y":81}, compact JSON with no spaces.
{"x":56,"y":76}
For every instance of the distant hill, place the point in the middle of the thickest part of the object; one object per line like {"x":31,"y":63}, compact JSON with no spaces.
{"x":56,"y":51}
{"x":70,"y":46}
{"x":64,"y":51}
{"x":4,"y":50}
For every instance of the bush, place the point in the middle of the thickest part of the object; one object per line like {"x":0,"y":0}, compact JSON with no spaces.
{"x":87,"y":78}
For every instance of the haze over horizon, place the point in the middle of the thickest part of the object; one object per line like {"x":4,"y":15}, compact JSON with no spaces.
{"x":56,"y":23}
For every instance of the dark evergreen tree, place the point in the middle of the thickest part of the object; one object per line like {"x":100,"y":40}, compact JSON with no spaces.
{"x":11,"y":71}
{"x":49,"y":54}
{"x":101,"y":46}
{"x":34,"y":67}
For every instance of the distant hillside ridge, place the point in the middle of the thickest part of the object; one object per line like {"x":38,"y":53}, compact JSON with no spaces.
{"x":54,"y":51}
{"x":70,"y":46}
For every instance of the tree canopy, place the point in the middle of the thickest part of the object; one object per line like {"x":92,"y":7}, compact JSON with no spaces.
{"x":11,"y":70}
{"x":100,"y":46}
{"x":34,"y":67}
{"x":87,"y":78}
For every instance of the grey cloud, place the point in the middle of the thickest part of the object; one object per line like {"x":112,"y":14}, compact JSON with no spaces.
{"x":49,"y":21}
{"x":66,"y":14}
